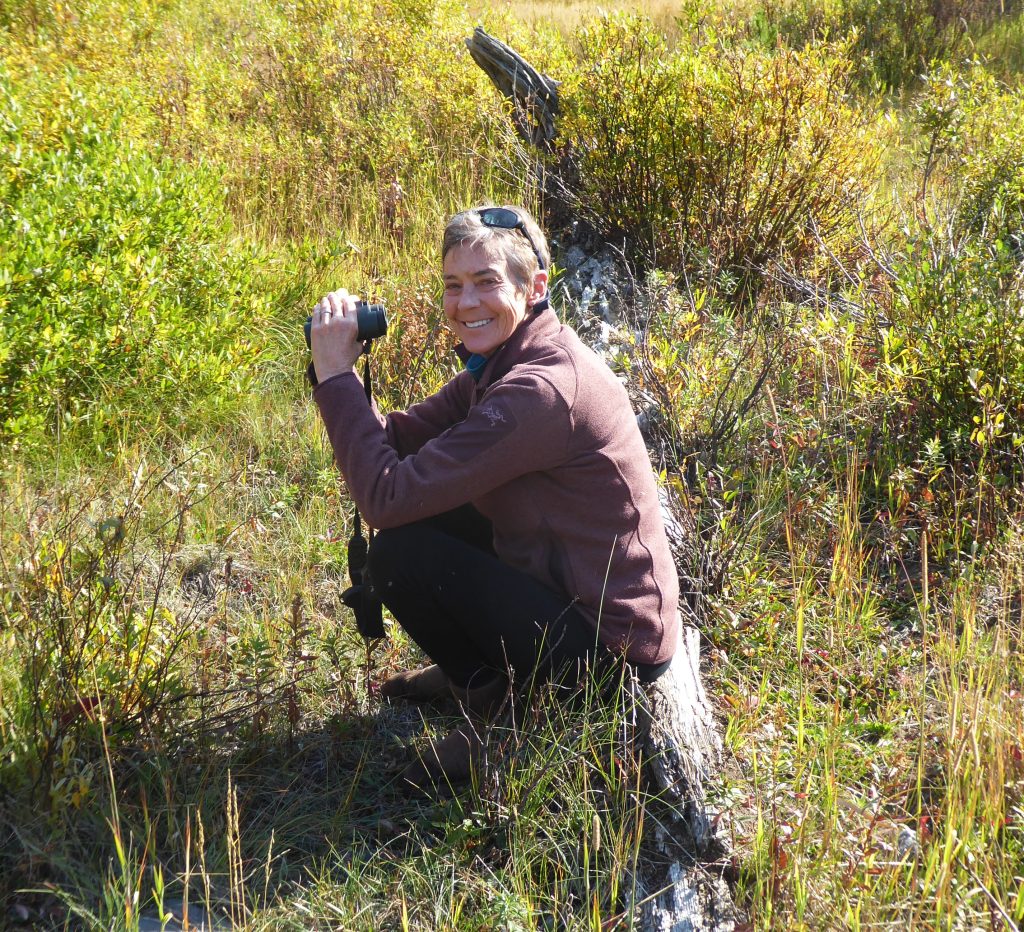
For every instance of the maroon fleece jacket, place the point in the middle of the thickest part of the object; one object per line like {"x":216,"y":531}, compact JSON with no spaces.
{"x":547,"y":447}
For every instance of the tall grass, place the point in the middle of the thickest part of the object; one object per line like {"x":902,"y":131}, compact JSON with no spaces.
{"x":880,"y":770}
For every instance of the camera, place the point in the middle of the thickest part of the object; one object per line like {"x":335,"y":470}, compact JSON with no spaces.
{"x":371,"y":318}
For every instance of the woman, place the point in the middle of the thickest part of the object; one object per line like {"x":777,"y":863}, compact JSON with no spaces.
{"x":521,"y":535}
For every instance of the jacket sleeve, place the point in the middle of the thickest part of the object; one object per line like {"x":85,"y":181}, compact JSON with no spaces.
{"x":408,"y":430}
{"x":521,"y":425}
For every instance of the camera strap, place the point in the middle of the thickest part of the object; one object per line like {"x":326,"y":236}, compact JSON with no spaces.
{"x":359,"y":596}
{"x":357,"y":533}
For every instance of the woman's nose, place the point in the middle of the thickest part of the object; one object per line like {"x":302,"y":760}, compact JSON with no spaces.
{"x":468,"y":297}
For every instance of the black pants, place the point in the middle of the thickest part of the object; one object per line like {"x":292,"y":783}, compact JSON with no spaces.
{"x":477,"y":617}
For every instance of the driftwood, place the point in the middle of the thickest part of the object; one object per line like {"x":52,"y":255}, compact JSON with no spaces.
{"x":682,"y":743}
{"x":534,"y":96}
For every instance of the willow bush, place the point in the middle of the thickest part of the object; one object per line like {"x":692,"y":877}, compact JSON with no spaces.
{"x":126,"y":300}
{"x":959,"y":272}
{"x":893,"y":42}
{"x":707,"y":156}
{"x":974,"y":127}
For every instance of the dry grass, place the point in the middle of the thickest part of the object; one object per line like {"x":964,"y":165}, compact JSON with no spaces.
{"x":566,"y":16}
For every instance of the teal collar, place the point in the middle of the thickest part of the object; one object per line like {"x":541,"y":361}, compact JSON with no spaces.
{"x":474,"y":364}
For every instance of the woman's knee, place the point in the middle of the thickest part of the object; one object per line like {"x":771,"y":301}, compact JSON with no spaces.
{"x":393,"y":551}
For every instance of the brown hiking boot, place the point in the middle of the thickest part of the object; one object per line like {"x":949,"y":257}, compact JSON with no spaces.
{"x":451,"y":760}
{"x":417,"y":685}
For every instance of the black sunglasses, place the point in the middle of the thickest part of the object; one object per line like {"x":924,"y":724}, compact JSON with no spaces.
{"x":505,"y":219}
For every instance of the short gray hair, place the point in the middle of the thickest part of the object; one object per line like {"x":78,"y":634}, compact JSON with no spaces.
{"x":467,"y":229}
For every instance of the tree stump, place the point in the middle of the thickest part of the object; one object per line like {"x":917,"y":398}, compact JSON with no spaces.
{"x":534,"y":96}
{"x":683,"y":750}
{"x":682,"y":744}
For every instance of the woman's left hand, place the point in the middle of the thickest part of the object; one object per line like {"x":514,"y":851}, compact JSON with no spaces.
{"x":333,"y":335}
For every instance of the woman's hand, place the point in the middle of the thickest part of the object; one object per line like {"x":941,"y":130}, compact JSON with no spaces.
{"x":332,"y":335}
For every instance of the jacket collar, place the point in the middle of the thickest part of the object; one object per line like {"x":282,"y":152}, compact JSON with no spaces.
{"x":535,"y":329}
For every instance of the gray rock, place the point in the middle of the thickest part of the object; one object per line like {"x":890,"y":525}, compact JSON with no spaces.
{"x":199,"y":920}
{"x":907,"y":845}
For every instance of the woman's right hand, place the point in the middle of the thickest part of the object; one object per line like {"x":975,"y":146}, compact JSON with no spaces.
{"x":333,"y":333}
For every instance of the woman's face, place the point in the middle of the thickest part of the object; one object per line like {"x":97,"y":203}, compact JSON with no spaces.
{"x":481,"y":302}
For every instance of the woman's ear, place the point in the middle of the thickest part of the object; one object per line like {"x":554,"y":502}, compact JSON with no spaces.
{"x":539,"y":289}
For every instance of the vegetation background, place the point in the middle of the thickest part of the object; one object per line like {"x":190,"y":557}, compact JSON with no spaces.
{"x":821,"y":204}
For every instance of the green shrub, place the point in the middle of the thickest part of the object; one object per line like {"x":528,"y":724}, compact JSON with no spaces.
{"x":893,"y":41}
{"x":733,"y":158}
{"x":959,"y":289}
{"x":94,"y":645}
{"x":126,"y":303}
{"x":959,"y":340}
{"x":975,"y":132}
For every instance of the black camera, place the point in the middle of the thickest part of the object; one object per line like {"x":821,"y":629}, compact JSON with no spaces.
{"x":371,"y":318}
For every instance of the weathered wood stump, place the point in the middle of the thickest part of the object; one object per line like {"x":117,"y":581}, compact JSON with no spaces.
{"x":683,"y":750}
{"x":683,"y":747}
{"x":534,"y":96}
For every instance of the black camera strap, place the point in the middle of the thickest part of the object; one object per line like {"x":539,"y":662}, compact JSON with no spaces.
{"x":357,"y":533}
{"x":360,"y":596}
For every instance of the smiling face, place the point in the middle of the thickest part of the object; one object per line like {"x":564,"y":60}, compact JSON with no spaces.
{"x":481,"y":303}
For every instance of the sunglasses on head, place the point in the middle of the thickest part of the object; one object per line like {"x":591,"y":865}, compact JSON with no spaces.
{"x":505,"y":219}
